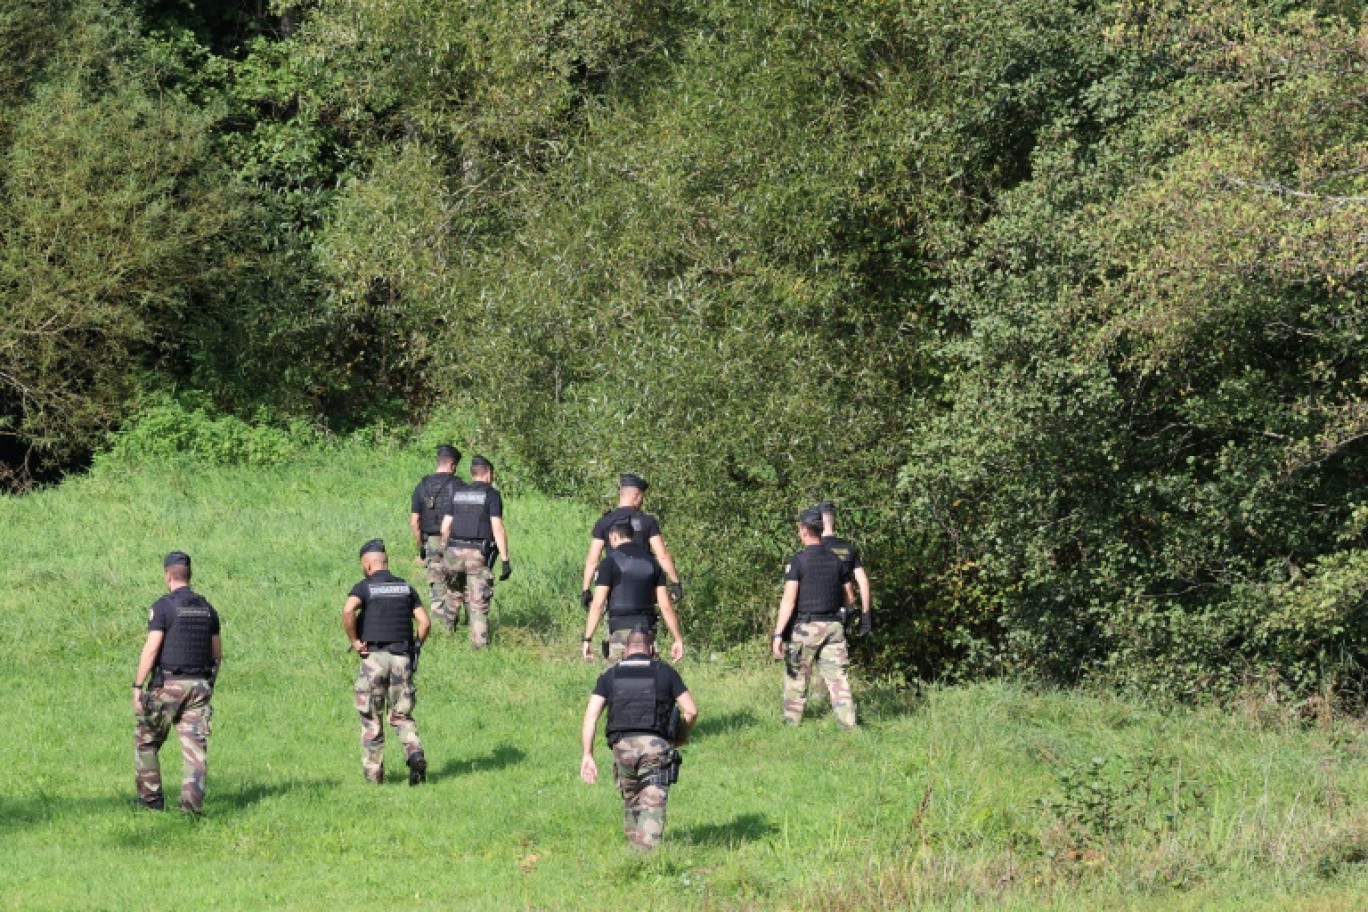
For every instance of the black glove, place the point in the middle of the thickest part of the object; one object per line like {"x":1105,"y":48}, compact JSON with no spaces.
{"x":676,"y":591}
{"x":506,"y":571}
{"x":422,"y":551}
{"x":866,"y":623}
{"x":587,"y":598}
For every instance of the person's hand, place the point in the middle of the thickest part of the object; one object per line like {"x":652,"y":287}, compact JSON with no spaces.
{"x":360,"y":648}
{"x":676,"y":651}
{"x":676,"y":591}
{"x":137,"y":701}
{"x":587,"y":652}
{"x":866,"y":623}
{"x":777,"y":647}
{"x":505,"y":571}
{"x":586,"y":599}
{"x":589,"y":769}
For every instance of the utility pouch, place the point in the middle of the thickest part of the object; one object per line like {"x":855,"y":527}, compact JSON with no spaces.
{"x":158,"y":677}
{"x":793,"y":659}
{"x":667,"y":773}
{"x":487,"y":551}
{"x":604,"y":644}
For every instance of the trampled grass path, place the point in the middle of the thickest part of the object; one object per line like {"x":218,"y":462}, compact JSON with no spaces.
{"x":953,"y":800}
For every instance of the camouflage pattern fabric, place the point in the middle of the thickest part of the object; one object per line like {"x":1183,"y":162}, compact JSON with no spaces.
{"x":438,"y":602}
{"x":617,"y":645}
{"x":184,"y":704}
{"x":635,"y":758}
{"x":385,"y":678}
{"x":821,"y":644}
{"x":470,"y":583}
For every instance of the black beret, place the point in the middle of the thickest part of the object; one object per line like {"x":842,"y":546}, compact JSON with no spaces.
{"x":811,"y":517}
{"x":479,"y":462}
{"x":628,"y":480}
{"x":826,"y":506}
{"x":374,"y":546}
{"x":176,"y":558}
{"x":446,"y":451}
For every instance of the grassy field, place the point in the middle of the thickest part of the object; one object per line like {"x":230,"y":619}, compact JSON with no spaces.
{"x":989,"y":796}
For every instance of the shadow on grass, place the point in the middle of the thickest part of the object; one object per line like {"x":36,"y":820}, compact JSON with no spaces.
{"x":44,"y":808}
{"x":233,"y":799}
{"x":503,"y":756}
{"x":743,"y":828}
{"x":724,"y":724}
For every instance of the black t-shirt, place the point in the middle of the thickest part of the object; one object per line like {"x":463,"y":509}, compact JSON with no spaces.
{"x":845,"y":550}
{"x":674,"y":684}
{"x":493,"y":503}
{"x":163,"y":615}
{"x":644,"y":525}
{"x":610,"y":573}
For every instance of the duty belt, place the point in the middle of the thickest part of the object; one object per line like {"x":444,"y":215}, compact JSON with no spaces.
{"x":467,"y":542}
{"x":188,"y":675}
{"x":401,"y":645}
{"x":628,"y":619}
{"x":825,"y":618}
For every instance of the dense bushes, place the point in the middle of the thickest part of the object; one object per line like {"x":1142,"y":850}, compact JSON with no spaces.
{"x":1062,"y":301}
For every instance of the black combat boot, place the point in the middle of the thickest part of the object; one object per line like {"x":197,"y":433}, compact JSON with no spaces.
{"x":156,"y":804}
{"x":417,"y":765}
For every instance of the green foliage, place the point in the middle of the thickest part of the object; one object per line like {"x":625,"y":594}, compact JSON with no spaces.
{"x":1149,"y":445}
{"x":171,"y":430}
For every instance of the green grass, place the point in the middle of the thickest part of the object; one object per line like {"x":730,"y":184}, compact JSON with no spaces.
{"x":940,"y":802}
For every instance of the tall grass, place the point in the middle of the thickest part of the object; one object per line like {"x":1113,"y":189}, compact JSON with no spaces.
{"x":987,"y":796}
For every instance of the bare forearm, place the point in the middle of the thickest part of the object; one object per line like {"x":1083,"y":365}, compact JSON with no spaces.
{"x":587,"y":730}
{"x":145,"y":663}
{"x":862,"y":582}
{"x":500,"y":538}
{"x":662,"y":555}
{"x":670,"y":617}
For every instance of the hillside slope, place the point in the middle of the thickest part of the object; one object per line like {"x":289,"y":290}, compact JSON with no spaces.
{"x":986,"y":796}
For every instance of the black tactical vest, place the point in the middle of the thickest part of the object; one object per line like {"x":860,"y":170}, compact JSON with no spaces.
{"x":640,"y":704}
{"x":632,"y":602}
{"x":188,"y":648}
{"x":470,"y":514}
{"x":386,"y":610}
{"x":820,"y":592}
{"x":432,"y":501}
{"x":842,"y":549}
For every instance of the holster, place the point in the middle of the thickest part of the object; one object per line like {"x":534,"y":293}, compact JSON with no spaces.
{"x":667,"y":773}
{"x":158,"y":677}
{"x":487,"y":551}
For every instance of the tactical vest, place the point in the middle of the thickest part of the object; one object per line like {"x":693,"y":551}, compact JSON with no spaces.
{"x":842,"y":549}
{"x":432,"y":501}
{"x":632,"y":602}
{"x":638,"y":524}
{"x":188,"y":649}
{"x":470,"y":514}
{"x":640,"y":704}
{"x":386,"y":610}
{"x":820,"y":593}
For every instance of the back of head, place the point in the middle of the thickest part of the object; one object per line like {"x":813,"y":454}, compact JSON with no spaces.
{"x":621,"y":529}
{"x":481,"y":468}
{"x":373,"y":556}
{"x":447,"y":458}
{"x":639,"y":640}
{"x":810,"y":523}
{"x":177,"y":566}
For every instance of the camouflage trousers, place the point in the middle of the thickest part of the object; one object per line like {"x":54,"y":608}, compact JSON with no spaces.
{"x":821,"y":644}
{"x":434,"y":563}
{"x":385,"y":678}
{"x":184,"y":704}
{"x":635,"y":758}
{"x":469,"y":582}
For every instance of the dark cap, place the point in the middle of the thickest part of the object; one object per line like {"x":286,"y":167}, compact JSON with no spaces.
{"x":176,"y":559}
{"x":446,"y":451}
{"x":479,"y":462}
{"x":628,"y":480}
{"x":811,"y":517}
{"x":374,"y":546}
{"x":826,"y":506}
